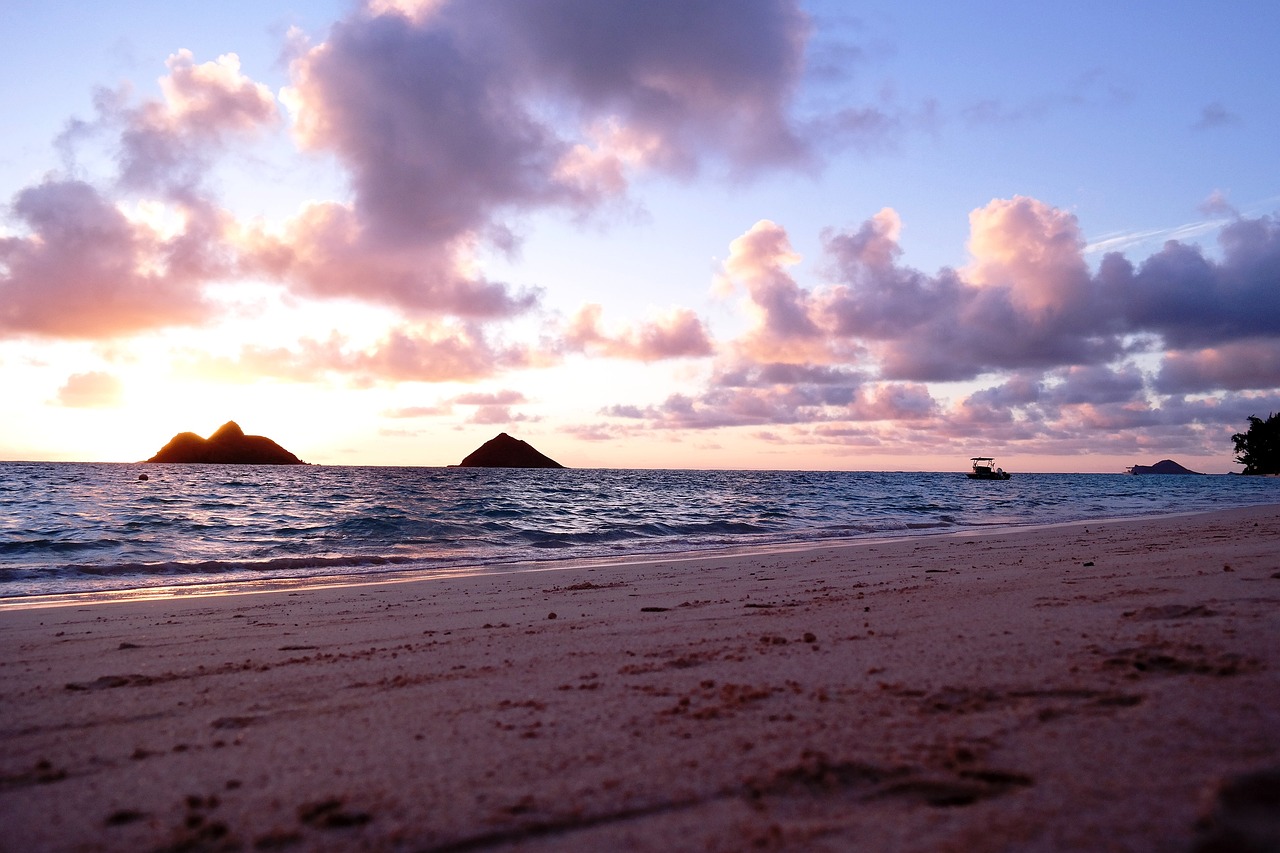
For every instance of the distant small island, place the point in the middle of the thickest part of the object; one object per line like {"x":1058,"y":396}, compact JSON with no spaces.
{"x":228,"y":446}
{"x":503,"y":451}
{"x":1164,"y":466}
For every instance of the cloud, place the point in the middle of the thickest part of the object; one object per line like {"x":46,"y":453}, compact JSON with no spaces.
{"x":678,"y":334}
{"x":452,"y":120}
{"x":88,"y":262}
{"x":713,"y":409}
{"x":505,"y":397}
{"x":1027,"y":299}
{"x":411,"y":412}
{"x":326,"y":252}
{"x":497,"y":415}
{"x":893,"y":402}
{"x":92,"y":390}
{"x":453,"y":117}
{"x":494,"y":407}
{"x":1191,"y":300}
{"x":707,"y":78}
{"x":1091,"y":89}
{"x":1236,"y":366}
{"x":442,"y":352}
{"x":746,"y":375}
{"x":758,"y":263}
{"x":1214,"y":115}
{"x":167,"y":145}
{"x":1094,"y":384}
{"x":1054,"y":346}
{"x":1217,"y":205}
{"x":85,"y":270}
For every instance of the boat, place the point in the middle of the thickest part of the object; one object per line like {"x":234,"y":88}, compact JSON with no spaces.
{"x":984,"y":468}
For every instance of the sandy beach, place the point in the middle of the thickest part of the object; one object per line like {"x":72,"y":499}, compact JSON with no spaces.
{"x":1096,"y":686}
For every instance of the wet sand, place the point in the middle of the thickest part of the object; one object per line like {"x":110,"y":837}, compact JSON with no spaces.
{"x":1100,"y":686}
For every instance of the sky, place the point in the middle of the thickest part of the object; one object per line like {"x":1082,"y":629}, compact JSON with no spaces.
{"x":767,"y":234}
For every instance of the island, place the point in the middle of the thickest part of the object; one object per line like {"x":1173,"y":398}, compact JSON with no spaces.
{"x":1164,"y":466}
{"x":228,"y":446}
{"x":503,"y":451}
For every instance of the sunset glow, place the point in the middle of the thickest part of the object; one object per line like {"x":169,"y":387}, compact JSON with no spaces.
{"x":773,"y":234}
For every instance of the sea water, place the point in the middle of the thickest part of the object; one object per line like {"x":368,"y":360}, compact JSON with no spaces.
{"x":70,"y":527}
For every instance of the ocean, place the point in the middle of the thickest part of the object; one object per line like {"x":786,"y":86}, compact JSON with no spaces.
{"x":70,"y":528}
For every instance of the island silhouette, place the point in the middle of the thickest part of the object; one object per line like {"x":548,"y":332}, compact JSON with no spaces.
{"x":1164,"y":466}
{"x":228,"y":446}
{"x":503,"y":451}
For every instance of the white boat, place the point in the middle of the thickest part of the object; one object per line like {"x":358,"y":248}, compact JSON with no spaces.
{"x":984,"y":468}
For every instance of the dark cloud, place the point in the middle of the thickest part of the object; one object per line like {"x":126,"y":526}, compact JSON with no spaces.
{"x":1214,"y":115}
{"x":453,"y":120}
{"x":752,"y":375}
{"x":713,"y":77}
{"x":434,"y":135}
{"x":1192,"y":300}
{"x":1094,"y":384}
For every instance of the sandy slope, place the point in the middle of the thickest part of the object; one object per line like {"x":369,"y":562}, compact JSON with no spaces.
{"x":1096,"y":686}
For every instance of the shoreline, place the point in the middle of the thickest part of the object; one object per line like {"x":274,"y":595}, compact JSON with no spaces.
{"x":196,"y":590}
{"x":1081,"y":685}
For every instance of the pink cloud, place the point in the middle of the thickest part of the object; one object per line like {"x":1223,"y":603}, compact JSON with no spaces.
{"x":679,"y":334}
{"x":411,"y":412}
{"x":422,"y":353}
{"x":894,"y":402}
{"x":740,"y":405}
{"x":784,"y":327}
{"x":326,"y":251}
{"x":92,"y":390}
{"x":1235,"y":366}
{"x":1027,"y":300}
{"x":505,"y":397}
{"x":1034,"y":253}
{"x":498,"y":415}
{"x":87,"y":271}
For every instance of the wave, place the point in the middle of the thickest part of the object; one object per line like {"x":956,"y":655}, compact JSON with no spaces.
{"x":201,"y":567}
{"x":69,"y":527}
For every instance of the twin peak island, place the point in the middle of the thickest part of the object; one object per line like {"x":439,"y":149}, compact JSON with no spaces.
{"x":230,"y":446}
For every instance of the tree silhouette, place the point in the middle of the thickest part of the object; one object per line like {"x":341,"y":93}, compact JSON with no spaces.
{"x":1258,"y":449}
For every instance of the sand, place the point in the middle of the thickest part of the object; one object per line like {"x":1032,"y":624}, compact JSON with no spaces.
{"x":1100,"y":686}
